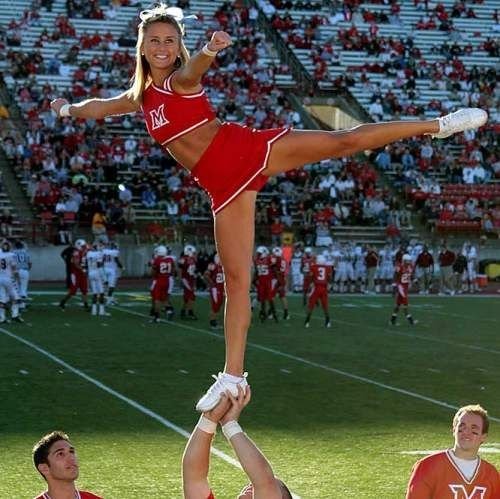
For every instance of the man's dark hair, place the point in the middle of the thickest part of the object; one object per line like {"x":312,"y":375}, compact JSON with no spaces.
{"x":42,"y":447}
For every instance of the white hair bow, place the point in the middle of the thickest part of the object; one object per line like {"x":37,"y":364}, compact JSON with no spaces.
{"x":163,"y":10}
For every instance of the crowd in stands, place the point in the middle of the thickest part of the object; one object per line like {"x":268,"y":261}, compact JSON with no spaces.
{"x":72,"y":168}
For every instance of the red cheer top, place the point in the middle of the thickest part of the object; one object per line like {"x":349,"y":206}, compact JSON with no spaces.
{"x":170,"y":115}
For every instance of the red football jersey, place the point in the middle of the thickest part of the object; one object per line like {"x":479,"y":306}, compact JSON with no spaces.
{"x":263,"y":267}
{"x":438,"y":477}
{"x":163,"y":267}
{"x":187,"y":264}
{"x":216,"y":274}
{"x":170,"y":115}
{"x":307,"y":261}
{"x":279,"y":268}
{"x":78,"y":261}
{"x":404,"y":271}
{"x":321,"y":274}
{"x":80,"y":494}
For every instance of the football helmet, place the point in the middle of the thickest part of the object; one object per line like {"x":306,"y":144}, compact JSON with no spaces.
{"x":6,"y":246}
{"x":216,"y":259}
{"x":407,"y":258}
{"x":308,"y":251}
{"x":80,"y":244}
{"x":189,"y":250}
{"x":321,"y":260}
{"x":262,"y":250}
{"x":277,"y":251}
{"x":161,"y":250}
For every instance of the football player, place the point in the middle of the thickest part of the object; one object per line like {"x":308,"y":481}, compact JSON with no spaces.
{"x":214,"y":276}
{"x":187,"y":268}
{"x":321,"y":274}
{"x":78,"y":274}
{"x":402,"y":280}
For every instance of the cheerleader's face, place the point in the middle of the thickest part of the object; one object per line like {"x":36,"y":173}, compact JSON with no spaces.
{"x":161,"y":45}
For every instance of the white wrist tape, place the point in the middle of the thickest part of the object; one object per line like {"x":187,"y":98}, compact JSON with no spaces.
{"x":64,"y":111}
{"x":231,"y":428}
{"x":204,"y":424}
{"x":207,"y":51}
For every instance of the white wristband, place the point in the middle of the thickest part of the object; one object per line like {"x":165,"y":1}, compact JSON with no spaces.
{"x":207,"y":51}
{"x":231,"y":428}
{"x":204,"y":424}
{"x":64,"y":110}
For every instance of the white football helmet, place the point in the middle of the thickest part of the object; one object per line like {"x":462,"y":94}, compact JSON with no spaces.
{"x":216,"y":259}
{"x":262,"y":250}
{"x":308,"y":251}
{"x":189,"y":250}
{"x":277,"y":251}
{"x":161,"y":250}
{"x":407,"y":258}
{"x":321,"y":260}
{"x":80,"y":244}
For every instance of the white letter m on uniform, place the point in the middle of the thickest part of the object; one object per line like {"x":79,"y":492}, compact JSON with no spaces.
{"x":158,"y":117}
{"x":459,"y":492}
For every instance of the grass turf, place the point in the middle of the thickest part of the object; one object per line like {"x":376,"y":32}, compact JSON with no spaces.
{"x":333,"y":409}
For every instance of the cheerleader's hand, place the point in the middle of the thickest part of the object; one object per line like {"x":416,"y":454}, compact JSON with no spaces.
{"x":219,"y":41}
{"x":56,"y":105}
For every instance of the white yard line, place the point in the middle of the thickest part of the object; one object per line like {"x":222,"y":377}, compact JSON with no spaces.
{"x":340,"y":372}
{"x":123,"y":398}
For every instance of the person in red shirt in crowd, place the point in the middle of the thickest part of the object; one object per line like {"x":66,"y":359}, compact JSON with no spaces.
{"x":321,"y":275}
{"x":214,"y":275}
{"x":402,"y":280}
{"x":425,"y":270}
{"x":196,"y":458}
{"x":263,"y":279}
{"x":231,"y":162}
{"x":446,"y":259}
{"x":279,"y":270}
{"x":187,"y":268}
{"x":55,"y":459}
{"x":458,"y":472}
{"x":78,"y":274}
{"x":163,"y":268}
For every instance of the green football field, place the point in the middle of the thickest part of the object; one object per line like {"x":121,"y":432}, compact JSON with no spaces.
{"x":340,"y":412}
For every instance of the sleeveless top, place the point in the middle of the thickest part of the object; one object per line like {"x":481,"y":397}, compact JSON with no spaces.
{"x":170,"y":115}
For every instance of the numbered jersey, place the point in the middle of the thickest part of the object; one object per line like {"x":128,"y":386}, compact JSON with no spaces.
{"x":94,"y":260}
{"x":215,"y":275}
{"x":307,"y":261}
{"x":109,"y":257}
{"x":321,"y":275}
{"x":23,"y":259}
{"x":404,"y":273}
{"x":78,"y":261}
{"x":263,"y":267}
{"x":439,"y":477}
{"x":279,"y":268}
{"x":7,"y":264}
{"x":187,"y":264}
{"x":163,"y":267}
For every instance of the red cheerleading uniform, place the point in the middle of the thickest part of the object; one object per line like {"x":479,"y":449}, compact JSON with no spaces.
{"x":234,"y":160}
{"x":79,"y":494}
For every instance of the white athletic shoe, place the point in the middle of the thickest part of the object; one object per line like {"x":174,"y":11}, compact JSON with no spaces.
{"x":463,"y":119}
{"x":221,"y":385}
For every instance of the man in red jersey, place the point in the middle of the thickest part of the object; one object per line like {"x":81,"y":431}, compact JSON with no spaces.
{"x":307,"y":260}
{"x":187,"y":267}
{"x":78,"y":274}
{"x":263,"y":283}
{"x":214,"y":275}
{"x":402,"y":281}
{"x":321,"y":275}
{"x":55,"y":459}
{"x":458,"y":473}
{"x":196,"y":458}
{"x":279,"y":270}
{"x":163,"y":267}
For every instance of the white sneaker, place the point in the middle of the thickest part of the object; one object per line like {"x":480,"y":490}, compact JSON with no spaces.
{"x":463,"y":119}
{"x":213,"y":394}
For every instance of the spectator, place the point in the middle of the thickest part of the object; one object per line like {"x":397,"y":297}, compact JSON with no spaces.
{"x":148,"y":197}
{"x":6,"y":223}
